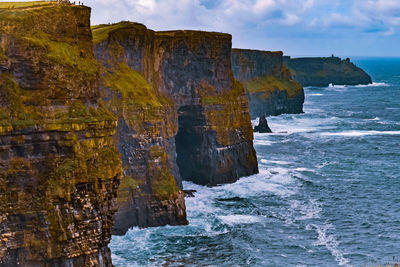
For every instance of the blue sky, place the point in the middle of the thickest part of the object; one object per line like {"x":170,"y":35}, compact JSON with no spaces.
{"x":297,"y":27}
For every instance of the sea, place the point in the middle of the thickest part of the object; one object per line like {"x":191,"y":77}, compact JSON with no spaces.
{"x":328,"y":191}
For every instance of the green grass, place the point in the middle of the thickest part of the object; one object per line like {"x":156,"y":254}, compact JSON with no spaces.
{"x":7,"y":5}
{"x":270,"y":83}
{"x":101,"y":32}
{"x":134,"y":88}
{"x":64,"y":53}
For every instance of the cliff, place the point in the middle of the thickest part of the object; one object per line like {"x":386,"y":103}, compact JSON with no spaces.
{"x":322,"y":71}
{"x":268,"y":83}
{"x":59,"y":169}
{"x":150,"y":192}
{"x":181,"y":114}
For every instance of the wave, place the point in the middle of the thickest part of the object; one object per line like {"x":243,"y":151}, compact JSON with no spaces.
{"x":315,"y":94}
{"x":374,"y":84}
{"x":374,"y":119}
{"x":360,"y":133}
{"x":280,"y":162}
{"x":330,"y":242}
{"x":261,"y":142}
{"x":239,"y":219}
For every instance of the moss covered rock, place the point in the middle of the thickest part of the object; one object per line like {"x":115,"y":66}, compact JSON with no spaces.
{"x":59,"y":167}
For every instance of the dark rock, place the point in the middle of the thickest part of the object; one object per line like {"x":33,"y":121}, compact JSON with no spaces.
{"x":262,"y":126}
{"x":189,"y":193}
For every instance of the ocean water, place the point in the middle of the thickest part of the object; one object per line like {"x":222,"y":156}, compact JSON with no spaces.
{"x":328,"y":192}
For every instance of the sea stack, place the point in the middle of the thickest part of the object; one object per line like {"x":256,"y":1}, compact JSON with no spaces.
{"x":262,"y":126}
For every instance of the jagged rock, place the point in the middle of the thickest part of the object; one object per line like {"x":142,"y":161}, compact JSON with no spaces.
{"x":268,"y":83}
{"x":59,"y":169}
{"x":189,"y":193}
{"x":262,"y":126}
{"x":322,"y":71}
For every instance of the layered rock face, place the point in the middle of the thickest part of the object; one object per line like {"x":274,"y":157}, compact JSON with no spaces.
{"x":214,"y":143}
{"x":268,"y":83}
{"x":59,"y":169}
{"x":322,"y":71}
{"x":181,"y":114}
{"x":150,"y":192}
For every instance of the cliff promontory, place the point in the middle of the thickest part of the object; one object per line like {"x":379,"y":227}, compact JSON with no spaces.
{"x":268,"y":83}
{"x":322,"y":71}
{"x":181,"y":115}
{"x":59,"y":168}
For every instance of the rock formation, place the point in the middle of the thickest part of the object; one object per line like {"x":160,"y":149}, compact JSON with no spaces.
{"x":181,"y":114}
{"x":322,"y":71}
{"x":262,"y":126}
{"x":59,"y":169}
{"x":267,"y":82}
{"x":150,"y":192}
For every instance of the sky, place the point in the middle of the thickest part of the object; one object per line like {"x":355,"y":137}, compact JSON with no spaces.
{"x":296,"y":27}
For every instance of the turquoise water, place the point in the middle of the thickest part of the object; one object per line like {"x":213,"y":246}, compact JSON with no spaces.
{"x":328,"y":192}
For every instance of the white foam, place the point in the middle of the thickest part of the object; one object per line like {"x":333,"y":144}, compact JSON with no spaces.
{"x":374,"y":84}
{"x":309,"y":210}
{"x":374,"y":119}
{"x":239,"y":219}
{"x":302,"y":169}
{"x":360,"y":133}
{"x":336,"y":86}
{"x":330,"y":242}
{"x":280,"y":162}
{"x":262,"y":142}
{"x":260,"y":184}
{"x":315,"y":94}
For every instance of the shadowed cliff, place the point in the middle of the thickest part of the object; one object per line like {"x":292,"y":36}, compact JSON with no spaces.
{"x":322,"y":71}
{"x":59,"y":169}
{"x":268,"y":83}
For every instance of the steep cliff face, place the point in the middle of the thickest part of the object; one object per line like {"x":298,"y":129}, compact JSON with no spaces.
{"x":322,"y":71}
{"x":214,"y":143}
{"x":267,"y":82}
{"x":181,"y":114}
{"x":59,"y":169}
{"x":150,"y":192}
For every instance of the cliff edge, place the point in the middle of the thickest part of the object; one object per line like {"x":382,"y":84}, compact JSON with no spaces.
{"x":269,"y":85}
{"x":59,"y":168}
{"x":322,"y":71}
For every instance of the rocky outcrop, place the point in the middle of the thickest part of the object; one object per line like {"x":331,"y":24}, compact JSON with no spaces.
{"x":268,"y":83}
{"x":262,"y":126}
{"x":59,"y":169}
{"x":322,"y":71}
{"x":181,"y":114}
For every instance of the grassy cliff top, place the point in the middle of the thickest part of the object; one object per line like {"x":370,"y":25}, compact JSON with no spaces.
{"x":102,"y":31}
{"x":191,"y":33}
{"x":239,"y":50}
{"x":12,"y":5}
